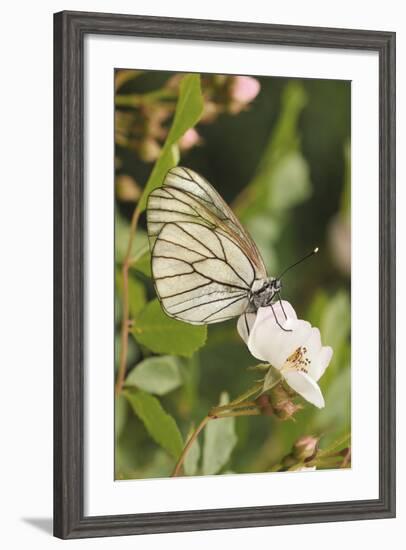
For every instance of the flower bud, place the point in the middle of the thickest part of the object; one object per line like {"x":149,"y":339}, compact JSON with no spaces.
{"x":288,"y":462}
{"x":149,"y":150}
{"x":282,"y":404}
{"x":264,"y":405}
{"x":305,"y":448}
{"x":127,"y":189}
{"x":189,"y":139}
{"x":219,"y":80}
{"x":155,"y":117}
{"x":174,"y":82}
{"x":210,"y":112}
{"x":244,"y":89}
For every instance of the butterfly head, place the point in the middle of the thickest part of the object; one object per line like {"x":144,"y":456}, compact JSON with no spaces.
{"x":263,"y":291}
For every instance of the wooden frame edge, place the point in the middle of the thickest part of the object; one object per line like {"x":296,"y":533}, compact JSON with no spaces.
{"x":69,"y":30}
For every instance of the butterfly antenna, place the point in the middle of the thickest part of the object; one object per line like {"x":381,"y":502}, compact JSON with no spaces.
{"x":312,"y":253}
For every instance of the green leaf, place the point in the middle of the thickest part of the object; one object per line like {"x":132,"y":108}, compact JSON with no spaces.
{"x":317,"y":308}
{"x":136,"y":295}
{"x":159,"y":424}
{"x":120,"y":414}
{"x":158,"y":375}
{"x":219,"y":441}
{"x":121,"y":233}
{"x":190,"y":372}
{"x":142,"y":263}
{"x":337,"y":413}
{"x":281,"y":160}
{"x":346,"y":193}
{"x":337,"y":445}
{"x":335,"y":322}
{"x":192,"y":457}
{"x":162,"y":334}
{"x":290,"y":182}
{"x":189,"y":109}
{"x":285,"y":136}
{"x":168,"y":159}
{"x":265,"y":231}
{"x":272,"y":377}
{"x":136,"y":292}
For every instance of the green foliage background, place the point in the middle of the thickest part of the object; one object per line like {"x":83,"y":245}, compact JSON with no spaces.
{"x":283,"y":165}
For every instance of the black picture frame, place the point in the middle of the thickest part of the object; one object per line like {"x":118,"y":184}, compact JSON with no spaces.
{"x":70,"y":28}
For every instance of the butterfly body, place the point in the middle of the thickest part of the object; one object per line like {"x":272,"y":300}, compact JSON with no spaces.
{"x":263,"y":292}
{"x":205,"y":266}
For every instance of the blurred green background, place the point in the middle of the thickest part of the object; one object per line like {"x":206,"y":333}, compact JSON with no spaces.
{"x":281,"y":159}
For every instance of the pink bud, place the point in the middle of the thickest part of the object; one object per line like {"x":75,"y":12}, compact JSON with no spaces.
{"x":149,"y":150}
{"x":189,"y":139}
{"x":244,"y":89}
{"x":306,"y":447}
{"x":127,"y":189}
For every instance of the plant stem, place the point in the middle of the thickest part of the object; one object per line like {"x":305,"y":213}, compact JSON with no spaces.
{"x":222,"y":411}
{"x":188,"y":445}
{"x":240,"y":401}
{"x":249,"y":393}
{"x":125,"y":326}
{"x":210,"y":416}
{"x":332,"y":449}
{"x":245,"y":412}
{"x":135,"y":100}
{"x":215,"y":411}
{"x":347,"y":458}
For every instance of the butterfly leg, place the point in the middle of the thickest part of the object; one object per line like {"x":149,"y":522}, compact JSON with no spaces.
{"x":277,"y":321}
{"x":280,"y":301}
{"x":247,"y":328}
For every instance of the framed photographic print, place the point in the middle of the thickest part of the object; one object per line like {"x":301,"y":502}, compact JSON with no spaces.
{"x":224,"y":274}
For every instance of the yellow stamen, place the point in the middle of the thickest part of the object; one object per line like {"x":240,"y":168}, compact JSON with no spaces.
{"x":297,"y":361}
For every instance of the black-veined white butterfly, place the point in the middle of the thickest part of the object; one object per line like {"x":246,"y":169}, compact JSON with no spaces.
{"x":206,"y":268}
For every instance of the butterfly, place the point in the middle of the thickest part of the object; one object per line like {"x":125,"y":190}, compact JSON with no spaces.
{"x":206,"y":268}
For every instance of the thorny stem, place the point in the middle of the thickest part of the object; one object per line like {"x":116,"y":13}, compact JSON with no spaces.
{"x":188,"y":445}
{"x":249,"y":393}
{"x":225,"y":408}
{"x":136,"y":100}
{"x":245,"y":412}
{"x":347,"y":458}
{"x":203,"y":423}
{"x":125,"y":324}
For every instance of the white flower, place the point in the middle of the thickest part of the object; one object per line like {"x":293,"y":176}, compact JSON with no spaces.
{"x":295,"y":349}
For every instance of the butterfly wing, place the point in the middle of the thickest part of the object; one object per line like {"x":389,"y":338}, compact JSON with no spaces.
{"x":203,"y":261}
{"x":201,"y":198}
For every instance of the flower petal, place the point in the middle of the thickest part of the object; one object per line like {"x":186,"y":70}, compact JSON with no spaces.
{"x":305,"y":386}
{"x":313,"y":348}
{"x":263,"y":339}
{"x":282,"y":308}
{"x":274,"y":313}
{"x":289,"y":340}
{"x":323,"y":361}
{"x":318,"y":355}
{"x":269,"y":342}
{"x":244,"y":325}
